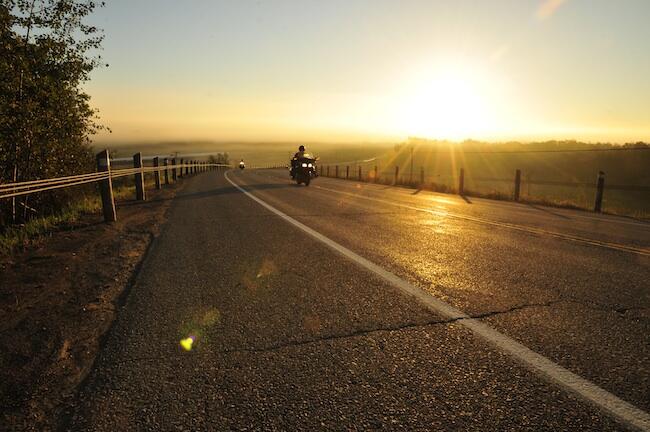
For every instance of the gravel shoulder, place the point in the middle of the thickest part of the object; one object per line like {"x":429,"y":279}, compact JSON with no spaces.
{"x":58,"y":299}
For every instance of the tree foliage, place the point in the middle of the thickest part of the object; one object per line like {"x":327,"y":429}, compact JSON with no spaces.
{"x":220,"y":158}
{"x":47,"y":52}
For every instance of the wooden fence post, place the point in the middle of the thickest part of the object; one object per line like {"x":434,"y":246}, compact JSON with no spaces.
{"x":421,"y":176}
{"x":180,"y":174}
{"x":376,"y":174}
{"x":600,"y":188}
{"x":517,"y":184}
{"x":461,"y":182}
{"x":328,"y":170}
{"x":347,"y":172}
{"x":359,"y":172}
{"x":396,"y":174}
{"x":156,"y":173}
{"x":106,"y":187}
{"x":166,"y":164}
{"x":337,"y":171}
{"x":174,"y":172}
{"x":139,"y":177}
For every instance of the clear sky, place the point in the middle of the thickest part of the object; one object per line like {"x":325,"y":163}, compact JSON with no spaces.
{"x":373,"y":70}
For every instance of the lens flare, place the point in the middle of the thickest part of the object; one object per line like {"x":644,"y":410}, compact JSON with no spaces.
{"x":187,"y":343}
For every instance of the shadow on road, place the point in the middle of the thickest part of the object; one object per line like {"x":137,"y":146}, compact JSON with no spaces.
{"x":231,"y":189}
{"x":542,"y":209}
{"x":208,"y":193}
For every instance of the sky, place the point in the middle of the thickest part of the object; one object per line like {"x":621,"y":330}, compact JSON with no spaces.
{"x":373,"y":70}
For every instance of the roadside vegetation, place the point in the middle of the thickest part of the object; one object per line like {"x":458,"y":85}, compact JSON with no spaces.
{"x":47,"y":53}
{"x":21,"y":236}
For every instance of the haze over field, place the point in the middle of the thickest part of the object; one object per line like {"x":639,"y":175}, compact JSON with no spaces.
{"x":374,"y":70}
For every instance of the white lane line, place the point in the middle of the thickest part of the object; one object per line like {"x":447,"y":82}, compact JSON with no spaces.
{"x":527,"y":229}
{"x":623,"y":411}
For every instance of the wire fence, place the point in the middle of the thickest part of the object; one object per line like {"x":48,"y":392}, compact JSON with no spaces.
{"x":164,"y":173}
{"x":9,"y":190}
{"x":621,"y":198}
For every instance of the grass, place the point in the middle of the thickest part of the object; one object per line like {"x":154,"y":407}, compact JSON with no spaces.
{"x":490,"y":174}
{"x":19,"y":237}
{"x":503,"y":195}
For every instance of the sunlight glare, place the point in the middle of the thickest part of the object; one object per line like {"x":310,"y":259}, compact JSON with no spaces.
{"x":448,"y":104}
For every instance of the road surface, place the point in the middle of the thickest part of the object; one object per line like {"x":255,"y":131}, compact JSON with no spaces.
{"x":294,"y":329}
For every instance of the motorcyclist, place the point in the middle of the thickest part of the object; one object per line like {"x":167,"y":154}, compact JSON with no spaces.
{"x":242,"y":165}
{"x":296,"y":160}
{"x":301,"y":152}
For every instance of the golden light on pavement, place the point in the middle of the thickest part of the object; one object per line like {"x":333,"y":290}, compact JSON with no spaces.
{"x":443,"y":200}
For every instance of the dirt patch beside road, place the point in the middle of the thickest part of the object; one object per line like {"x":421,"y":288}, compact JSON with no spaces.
{"x":58,"y":299}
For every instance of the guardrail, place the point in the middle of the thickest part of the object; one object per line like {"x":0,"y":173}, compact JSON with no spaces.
{"x":105,"y":175}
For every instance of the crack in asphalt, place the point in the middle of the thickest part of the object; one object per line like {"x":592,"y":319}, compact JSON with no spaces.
{"x":349,"y":335}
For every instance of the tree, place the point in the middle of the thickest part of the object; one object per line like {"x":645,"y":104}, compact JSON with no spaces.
{"x":46,"y":121}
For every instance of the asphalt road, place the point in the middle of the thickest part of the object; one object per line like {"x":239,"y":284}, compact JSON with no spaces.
{"x":292,"y":335}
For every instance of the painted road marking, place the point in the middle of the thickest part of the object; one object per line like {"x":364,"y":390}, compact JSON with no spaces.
{"x":530,"y":230}
{"x":623,"y":411}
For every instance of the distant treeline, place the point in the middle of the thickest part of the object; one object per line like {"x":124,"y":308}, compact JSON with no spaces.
{"x":45,"y":117}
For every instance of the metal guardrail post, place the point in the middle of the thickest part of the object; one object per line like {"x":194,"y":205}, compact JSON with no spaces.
{"x":156,"y":173}
{"x":600,"y":189}
{"x":139,"y":177}
{"x":517,"y":184}
{"x":106,"y":187}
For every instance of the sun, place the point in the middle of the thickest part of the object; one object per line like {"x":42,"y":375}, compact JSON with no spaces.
{"x":444,"y":105}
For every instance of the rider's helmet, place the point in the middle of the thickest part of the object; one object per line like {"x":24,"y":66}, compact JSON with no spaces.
{"x":301,"y":148}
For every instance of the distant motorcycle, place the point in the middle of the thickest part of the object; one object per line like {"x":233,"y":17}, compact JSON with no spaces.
{"x":242,"y":165}
{"x":304,"y":170}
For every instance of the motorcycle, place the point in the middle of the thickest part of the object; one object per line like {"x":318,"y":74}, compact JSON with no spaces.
{"x":304,"y":170}
{"x":242,"y":165}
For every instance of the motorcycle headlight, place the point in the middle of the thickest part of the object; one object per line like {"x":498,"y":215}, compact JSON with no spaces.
{"x":310,"y":165}
{"x":304,"y":165}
